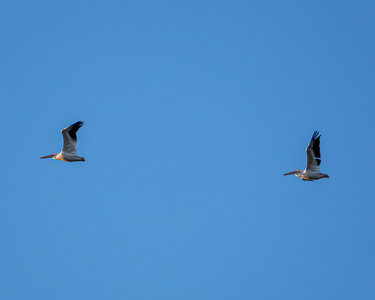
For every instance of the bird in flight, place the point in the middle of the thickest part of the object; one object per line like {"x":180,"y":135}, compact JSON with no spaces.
{"x":68,"y":152}
{"x":312,"y":171}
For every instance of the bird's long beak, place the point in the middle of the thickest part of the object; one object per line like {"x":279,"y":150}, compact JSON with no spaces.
{"x":48,"y":156}
{"x":291,"y":173}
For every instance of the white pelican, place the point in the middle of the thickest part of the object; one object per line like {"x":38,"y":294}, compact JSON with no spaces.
{"x":312,"y":171}
{"x":68,"y":152}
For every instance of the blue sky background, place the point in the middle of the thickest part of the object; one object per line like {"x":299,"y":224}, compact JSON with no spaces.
{"x":192,"y":111}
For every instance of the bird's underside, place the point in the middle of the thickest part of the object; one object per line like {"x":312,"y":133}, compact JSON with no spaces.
{"x":311,"y":177}
{"x":68,"y":157}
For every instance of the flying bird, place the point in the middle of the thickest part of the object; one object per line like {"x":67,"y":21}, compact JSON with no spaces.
{"x":312,"y":171}
{"x":68,"y":152}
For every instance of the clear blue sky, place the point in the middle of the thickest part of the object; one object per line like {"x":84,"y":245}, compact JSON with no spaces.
{"x":192,"y":111}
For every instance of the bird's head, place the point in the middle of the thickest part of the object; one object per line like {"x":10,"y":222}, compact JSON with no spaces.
{"x":49,"y":156}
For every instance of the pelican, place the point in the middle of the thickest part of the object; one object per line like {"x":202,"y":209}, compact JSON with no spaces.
{"x":312,"y":171}
{"x":68,"y":152}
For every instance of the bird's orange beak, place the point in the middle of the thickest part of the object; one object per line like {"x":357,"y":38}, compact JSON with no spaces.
{"x":291,"y":173}
{"x":48,"y":156}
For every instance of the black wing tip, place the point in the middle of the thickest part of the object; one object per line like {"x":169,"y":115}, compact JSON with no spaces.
{"x":72,"y":129}
{"x":316,"y":135}
{"x":79,"y":124}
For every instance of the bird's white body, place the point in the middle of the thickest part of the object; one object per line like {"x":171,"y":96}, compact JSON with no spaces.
{"x":310,"y":175}
{"x":68,"y":152}
{"x":69,"y":157}
{"x":312,"y":171}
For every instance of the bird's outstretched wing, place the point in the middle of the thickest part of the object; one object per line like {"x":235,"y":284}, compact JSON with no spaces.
{"x":70,"y":137}
{"x":313,"y":153}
